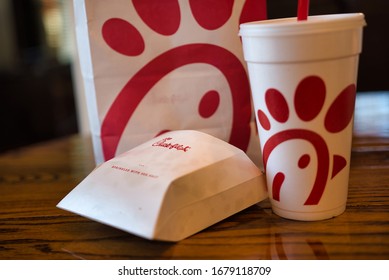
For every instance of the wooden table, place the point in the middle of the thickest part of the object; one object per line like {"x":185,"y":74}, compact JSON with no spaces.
{"x":34,"y":179}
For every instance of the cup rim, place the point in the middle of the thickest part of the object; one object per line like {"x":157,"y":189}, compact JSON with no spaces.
{"x":291,"y":26}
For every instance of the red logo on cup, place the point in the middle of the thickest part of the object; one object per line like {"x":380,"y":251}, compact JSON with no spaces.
{"x":308,"y":103}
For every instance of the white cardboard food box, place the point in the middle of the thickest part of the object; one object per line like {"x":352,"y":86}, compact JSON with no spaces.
{"x":169,"y":187}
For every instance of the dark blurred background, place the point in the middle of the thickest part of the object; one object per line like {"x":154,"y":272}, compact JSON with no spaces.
{"x":39,"y":81}
{"x":36,"y":85}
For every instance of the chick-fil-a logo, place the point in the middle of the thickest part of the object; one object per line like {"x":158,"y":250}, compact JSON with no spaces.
{"x":169,"y":145}
{"x":167,"y":21}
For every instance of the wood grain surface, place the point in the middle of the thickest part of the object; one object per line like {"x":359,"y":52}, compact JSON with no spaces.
{"x":34,"y":179}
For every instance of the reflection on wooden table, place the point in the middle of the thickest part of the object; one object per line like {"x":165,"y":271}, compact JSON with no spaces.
{"x":34,"y":179}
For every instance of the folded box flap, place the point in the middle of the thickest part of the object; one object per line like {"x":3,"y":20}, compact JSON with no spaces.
{"x":192,"y":218}
{"x":212,"y":183}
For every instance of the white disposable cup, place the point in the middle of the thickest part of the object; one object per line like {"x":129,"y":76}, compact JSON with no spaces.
{"x":303,"y":81}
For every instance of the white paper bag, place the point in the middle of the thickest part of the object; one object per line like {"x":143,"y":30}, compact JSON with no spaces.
{"x":155,"y":66}
{"x":169,"y":187}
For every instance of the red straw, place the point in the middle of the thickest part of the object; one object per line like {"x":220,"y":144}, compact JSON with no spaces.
{"x":302,"y":11}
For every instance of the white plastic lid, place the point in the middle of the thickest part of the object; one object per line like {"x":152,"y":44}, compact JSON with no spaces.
{"x":288,"y":40}
{"x":291,"y":26}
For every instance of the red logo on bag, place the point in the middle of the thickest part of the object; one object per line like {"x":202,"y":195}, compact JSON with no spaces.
{"x":165,"y":144}
{"x":164,"y":18}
